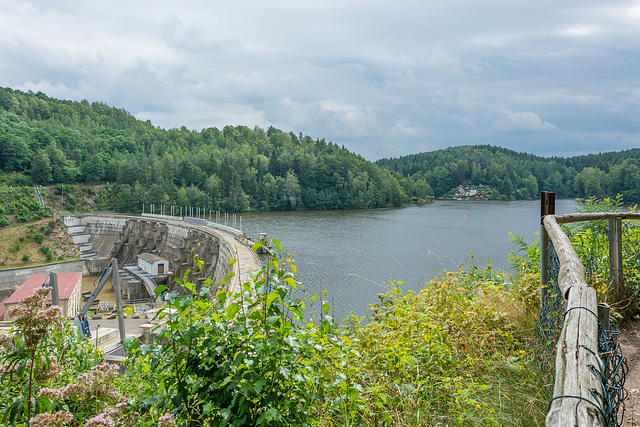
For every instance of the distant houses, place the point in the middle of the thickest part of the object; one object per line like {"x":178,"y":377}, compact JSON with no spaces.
{"x":470,"y":192}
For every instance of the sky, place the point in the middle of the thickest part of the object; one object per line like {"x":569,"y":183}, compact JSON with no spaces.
{"x":383,"y":78}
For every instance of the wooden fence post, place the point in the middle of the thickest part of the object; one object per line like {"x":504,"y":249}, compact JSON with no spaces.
{"x":547,"y":207}
{"x":615,"y":256}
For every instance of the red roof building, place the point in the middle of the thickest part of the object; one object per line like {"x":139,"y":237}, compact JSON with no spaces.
{"x":69,"y":292}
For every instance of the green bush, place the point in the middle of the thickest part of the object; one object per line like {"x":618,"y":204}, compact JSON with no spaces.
{"x":238,"y":359}
{"x":47,"y":251}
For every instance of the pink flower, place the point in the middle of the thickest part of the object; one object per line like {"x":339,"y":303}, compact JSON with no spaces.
{"x":166,"y":421}
{"x":51,"y":420}
{"x":52,"y":393}
{"x":103,"y":419}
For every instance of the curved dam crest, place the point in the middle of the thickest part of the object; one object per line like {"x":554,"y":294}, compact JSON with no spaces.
{"x":101,"y":237}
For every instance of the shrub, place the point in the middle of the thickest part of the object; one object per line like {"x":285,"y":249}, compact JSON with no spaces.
{"x":41,"y":354}
{"x":47,"y":251}
{"x":25,"y":258}
{"x":237,"y":359}
{"x":446,"y":354}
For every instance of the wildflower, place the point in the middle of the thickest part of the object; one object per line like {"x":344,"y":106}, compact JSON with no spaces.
{"x":48,"y":370}
{"x":97,"y":383}
{"x":33,"y":317}
{"x":56,"y":419}
{"x":5,"y":342}
{"x":166,"y":421}
{"x":52,"y":393}
{"x":103,"y":419}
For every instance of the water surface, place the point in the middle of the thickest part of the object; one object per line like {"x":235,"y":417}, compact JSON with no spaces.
{"x":354,"y":254}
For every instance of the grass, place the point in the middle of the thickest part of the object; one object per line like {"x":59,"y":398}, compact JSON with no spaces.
{"x":459,"y":352}
{"x":21,"y":245}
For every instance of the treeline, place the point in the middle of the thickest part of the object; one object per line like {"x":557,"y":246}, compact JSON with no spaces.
{"x":510,"y":174}
{"x":49,"y":141}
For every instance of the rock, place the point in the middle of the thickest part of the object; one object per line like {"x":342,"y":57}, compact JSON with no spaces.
{"x":96,"y":317}
{"x":112,"y":316}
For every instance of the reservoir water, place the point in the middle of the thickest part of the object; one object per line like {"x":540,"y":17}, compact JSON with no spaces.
{"x":353,"y":255}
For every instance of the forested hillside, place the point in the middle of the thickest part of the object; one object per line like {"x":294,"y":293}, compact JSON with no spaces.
{"x":520,"y":175}
{"x":48,"y":141}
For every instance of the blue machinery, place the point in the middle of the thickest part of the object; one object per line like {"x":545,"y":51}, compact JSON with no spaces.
{"x":81,"y":321}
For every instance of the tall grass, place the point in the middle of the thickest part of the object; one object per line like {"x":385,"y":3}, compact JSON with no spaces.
{"x":459,"y":352}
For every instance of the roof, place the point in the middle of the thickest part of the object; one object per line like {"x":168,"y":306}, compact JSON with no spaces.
{"x":66,"y":283}
{"x":150,"y":257}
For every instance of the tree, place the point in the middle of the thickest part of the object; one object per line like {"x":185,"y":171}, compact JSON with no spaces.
{"x":93,"y":168}
{"x":59,"y":164}
{"x":531,"y":184}
{"x":292,"y":188}
{"x":41,"y":168}
{"x":15,"y":154}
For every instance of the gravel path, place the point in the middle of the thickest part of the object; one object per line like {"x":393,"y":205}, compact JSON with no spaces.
{"x":630,"y":343}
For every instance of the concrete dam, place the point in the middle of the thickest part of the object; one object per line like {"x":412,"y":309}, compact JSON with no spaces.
{"x":181,"y":241}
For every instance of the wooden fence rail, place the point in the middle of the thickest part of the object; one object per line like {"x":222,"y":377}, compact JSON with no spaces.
{"x":573,"y":402}
{"x":576,"y":386}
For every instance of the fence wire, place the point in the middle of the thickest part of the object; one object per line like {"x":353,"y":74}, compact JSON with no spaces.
{"x":551,"y":316}
{"x":612,"y":373}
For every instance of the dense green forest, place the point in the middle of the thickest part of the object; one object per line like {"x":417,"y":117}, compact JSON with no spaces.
{"x":510,"y":174}
{"x":47,"y":141}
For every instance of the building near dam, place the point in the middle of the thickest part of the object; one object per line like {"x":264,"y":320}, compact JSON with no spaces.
{"x":69,"y":291}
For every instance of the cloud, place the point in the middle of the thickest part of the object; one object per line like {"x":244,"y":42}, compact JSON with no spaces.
{"x":508,"y":121}
{"x":384,"y":79}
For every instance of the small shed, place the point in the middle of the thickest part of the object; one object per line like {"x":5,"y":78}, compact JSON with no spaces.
{"x":153,"y":264}
{"x":69,"y":292}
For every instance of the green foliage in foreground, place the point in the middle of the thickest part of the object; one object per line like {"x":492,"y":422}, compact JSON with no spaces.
{"x":459,"y":352}
{"x":590,"y":239}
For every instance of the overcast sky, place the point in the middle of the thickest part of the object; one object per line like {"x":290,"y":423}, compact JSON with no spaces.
{"x":383,"y":78}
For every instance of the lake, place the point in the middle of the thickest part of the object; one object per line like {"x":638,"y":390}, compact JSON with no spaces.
{"x":354,"y":254}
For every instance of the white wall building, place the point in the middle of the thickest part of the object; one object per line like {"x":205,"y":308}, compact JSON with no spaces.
{"x":153,"y":264}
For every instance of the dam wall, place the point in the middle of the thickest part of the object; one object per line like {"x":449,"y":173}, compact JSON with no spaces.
{"x":102,"y":237}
